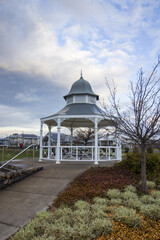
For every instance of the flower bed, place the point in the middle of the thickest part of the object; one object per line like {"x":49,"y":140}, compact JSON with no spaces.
{"x":113,"y":209}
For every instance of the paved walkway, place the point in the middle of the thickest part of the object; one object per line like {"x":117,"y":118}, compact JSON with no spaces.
{"x":20,"y":201}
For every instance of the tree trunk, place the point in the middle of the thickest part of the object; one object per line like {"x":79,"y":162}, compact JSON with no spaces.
{"x":143,"y":170}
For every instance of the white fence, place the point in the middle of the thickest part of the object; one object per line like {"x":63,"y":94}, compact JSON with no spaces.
{"x":82,"y":153}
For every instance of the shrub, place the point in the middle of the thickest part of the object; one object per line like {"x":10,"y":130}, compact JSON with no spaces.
{"x":147,"y":199}
{"x":100,"y":201}
{"x":35,"y":227}
{"x":151,"y":184}
{"x":44,"y":237}
{"x":126,"y":149}
{"x":101,"y":226}
{"x":151,"y":211}
{"x":132,"y":162}
{"x":63,"y":210}
{"x":127,"y":216}
{"x":115,"y":201}
{"x":149,"y":150}
{"x":130,"y":188}
{"x":84,"y":222}
{"x":113,"y":193}
{"x":61,"y":231}
{"x":81,"y":215}
{"x":133,"y":203}
{"x":155,"y":194}
{"x":45,"y":216}
{"x":98,"y":209}
{"x":26,"y":233}
{"x":129,"y":195}
{"x":81,"y":205}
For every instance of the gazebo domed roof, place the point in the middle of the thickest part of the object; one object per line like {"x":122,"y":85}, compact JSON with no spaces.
{"x":81,"y":87}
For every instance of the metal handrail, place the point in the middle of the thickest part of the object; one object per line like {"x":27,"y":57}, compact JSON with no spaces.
{"x":17,"y":155}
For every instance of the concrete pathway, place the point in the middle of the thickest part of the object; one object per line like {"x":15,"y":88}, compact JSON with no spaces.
{"x":20,"y":201}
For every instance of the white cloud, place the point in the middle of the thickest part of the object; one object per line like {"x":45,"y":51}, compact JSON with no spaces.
{"x":59,"y":38}
{"x":14,"y":119}
{"x":35,"y":47}
{"x":14,"y":116}
{"x":27,"y":97}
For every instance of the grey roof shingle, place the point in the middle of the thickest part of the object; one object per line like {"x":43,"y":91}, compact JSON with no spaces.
{"x":80,"y":87}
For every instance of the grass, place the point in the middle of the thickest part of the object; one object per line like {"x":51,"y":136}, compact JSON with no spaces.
{"x":8,"y":153}
{"x":101,"y":204}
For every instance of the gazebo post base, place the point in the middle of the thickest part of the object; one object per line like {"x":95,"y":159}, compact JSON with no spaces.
{"x":96,"y":163}
{"x":58,"y":162}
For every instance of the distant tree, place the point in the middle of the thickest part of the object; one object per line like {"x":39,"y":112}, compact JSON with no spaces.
{"x":82,"y":136}
{"x":140,"y":120}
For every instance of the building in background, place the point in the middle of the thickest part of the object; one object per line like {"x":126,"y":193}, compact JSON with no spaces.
{"x":21,"y":140}
{"x":65,"y":139}
{"x":4,"y":141}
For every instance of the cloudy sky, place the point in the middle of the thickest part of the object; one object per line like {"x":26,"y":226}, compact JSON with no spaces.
{"x":44,"y":44}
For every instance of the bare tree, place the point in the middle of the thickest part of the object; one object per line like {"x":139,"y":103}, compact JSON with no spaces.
{"x":140,"y":120}
{"x":84,"y":135}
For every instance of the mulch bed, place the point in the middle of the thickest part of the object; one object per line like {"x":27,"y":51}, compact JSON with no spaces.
{"x":94,"y":182}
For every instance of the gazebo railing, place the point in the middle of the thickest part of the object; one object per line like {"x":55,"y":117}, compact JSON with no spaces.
{"x":49,"y":152}
{"x":78,"y":153}
{"x":82,"y":153}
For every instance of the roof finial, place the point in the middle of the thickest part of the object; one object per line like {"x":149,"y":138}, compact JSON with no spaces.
{"x":81,"y":74}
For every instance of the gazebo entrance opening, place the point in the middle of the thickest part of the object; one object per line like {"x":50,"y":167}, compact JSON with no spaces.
{"x":81,"y":111}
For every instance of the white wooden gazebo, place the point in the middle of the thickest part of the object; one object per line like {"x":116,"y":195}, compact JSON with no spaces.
{"x":80,"y":111}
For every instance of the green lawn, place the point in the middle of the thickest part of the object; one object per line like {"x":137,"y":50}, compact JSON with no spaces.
{"x":8,"y":153}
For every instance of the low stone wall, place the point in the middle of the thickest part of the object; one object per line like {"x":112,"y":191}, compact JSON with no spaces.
{"x":7,"y":178}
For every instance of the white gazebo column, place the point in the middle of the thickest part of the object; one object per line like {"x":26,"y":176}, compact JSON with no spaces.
{"x":119,"y":146}
{"x":119,"y":149}
{"x":71,"y":139}
{"x":96,"y":141}
{"x":58,"y":141}
{"x":49,"y":142}
{"x":41,"y":148}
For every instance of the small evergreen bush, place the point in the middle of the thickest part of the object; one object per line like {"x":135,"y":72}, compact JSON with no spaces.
{"x":147,"y":199}
{"x":149,"y":150}
{"x":82,"y":205}
{"x":151,"y":211}
{"x":129,"y":195}
{"x":133,"y":203}
{"x":130,"y":188}
{"x":115,"y":201}
{"x":44,"y":237}
{"x":127,"y":216}
{"x":113,"y":193}
{"x":100,"y":201}
{"x":64,"y":210}
{"x":83,"y":222}
{"x":101,"y":226}
{"x":151,"y":185}
{"x":155,"y":194}
{"x":132,"y":162}
{"x":98,"y":209}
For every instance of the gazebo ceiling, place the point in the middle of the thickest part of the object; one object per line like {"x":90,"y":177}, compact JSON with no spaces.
{"x":80,"y":122}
